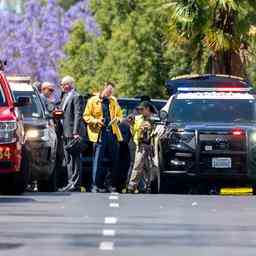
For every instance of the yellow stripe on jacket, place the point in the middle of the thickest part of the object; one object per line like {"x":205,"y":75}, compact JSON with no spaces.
{"x":93,"y":112}
{"x":136,"y":128}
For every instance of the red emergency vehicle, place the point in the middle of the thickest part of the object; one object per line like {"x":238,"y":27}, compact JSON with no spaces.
{"x":14,"y":171}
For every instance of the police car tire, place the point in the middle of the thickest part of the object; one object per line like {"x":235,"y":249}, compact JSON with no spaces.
{"x":155,"y":186}
{"x":164,"y":188}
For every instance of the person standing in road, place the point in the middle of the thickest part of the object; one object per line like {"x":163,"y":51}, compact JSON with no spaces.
{"x":71,"y":105}
{"x":142,"y":134}
{"x":125,"y":152}
{"x":47,"y":91}
{"x":102,"y":115}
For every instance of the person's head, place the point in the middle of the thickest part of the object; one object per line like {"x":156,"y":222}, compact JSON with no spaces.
{"x":67,"y":83}
{"x":146,"y":109}
{"x":130,"y":119}
{"x":108,"y":89}
{"x":47,"y":89}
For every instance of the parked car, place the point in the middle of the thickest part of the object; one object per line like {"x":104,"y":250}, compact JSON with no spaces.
{"x":208,"y":135}
{"x":129,"y":105}
{"x":14,"y":171}
{"x":41,"y":139}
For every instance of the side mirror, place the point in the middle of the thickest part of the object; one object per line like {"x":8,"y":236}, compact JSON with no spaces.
{"x":22,"y":101}
{"x":163,"y":115}
{"x":58,"y":114}
{"x":48,"y":115}
{"x":155,"y":119}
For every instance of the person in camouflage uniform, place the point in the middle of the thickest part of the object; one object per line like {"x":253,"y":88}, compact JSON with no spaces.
{"x":143,"y":138}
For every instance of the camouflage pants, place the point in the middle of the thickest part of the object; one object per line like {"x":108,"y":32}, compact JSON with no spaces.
{"x":143,"y":164}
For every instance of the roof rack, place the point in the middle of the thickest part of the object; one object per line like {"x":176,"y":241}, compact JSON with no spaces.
{"x":224,"y":89}
{"x":19,"y":79}
{"x":214,"y":82}
{"x":208,"y":76}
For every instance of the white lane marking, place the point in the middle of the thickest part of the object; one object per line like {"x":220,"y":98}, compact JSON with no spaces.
{"x":106,"y":246}
{"x":113,"y":198}
{"x":110,"y":220}
{"x":194,"y":204}
{"x":108,"y":232}
{"x":114,"y":194}
{"x":114,"y":205}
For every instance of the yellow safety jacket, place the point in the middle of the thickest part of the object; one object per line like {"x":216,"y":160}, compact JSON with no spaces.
{"x":93,"y":112}
{"x":136,"y":128}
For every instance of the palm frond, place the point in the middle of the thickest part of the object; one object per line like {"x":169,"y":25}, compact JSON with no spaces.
{"x":225,"y":4}
{"x":217,"y":40}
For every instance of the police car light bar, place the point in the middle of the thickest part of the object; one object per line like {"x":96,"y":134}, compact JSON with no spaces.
{"x":224,"y":89}
{"x":213,"y":82}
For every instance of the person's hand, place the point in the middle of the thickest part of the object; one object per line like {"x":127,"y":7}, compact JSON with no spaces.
{"x":113,"y":121}
{"x":145,"y":126}
{"x":76,"y":136}
{"x":100,"y":122}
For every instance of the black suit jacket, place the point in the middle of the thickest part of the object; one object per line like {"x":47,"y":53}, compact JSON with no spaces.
{"x":73,"y":111}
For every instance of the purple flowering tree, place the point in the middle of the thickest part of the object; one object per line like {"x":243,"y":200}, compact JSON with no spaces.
{"x":33,"y":41}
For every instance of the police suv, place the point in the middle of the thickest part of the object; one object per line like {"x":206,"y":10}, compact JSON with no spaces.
{"x":208,"y":131}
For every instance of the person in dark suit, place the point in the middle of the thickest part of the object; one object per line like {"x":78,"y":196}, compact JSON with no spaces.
{"x":72,"y":106}
{"x":125,"y":152}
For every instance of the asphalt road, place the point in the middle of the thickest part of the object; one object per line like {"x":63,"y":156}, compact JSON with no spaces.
{"x":102,"y":224}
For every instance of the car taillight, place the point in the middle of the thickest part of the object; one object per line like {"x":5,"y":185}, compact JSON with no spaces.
{"x":8,"y":132}
{"x":237,"y":132}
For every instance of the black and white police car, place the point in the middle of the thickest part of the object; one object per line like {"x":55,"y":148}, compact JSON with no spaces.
{"x":208,"y":132}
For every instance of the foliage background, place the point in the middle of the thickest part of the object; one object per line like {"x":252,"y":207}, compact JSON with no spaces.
{"x":132,"y":49}
{"x":137,"y":43}
{"x":33,"y":42}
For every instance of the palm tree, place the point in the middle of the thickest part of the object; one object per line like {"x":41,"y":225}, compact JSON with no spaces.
{"x":218,"y":29}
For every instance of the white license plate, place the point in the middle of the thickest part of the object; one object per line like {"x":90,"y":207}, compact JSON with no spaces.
{"x":221,"y":163}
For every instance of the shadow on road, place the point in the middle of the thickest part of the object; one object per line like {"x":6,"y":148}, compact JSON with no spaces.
{"x":10,"y":246}
{"x":51,"y":194}
{"x":14,"y":200}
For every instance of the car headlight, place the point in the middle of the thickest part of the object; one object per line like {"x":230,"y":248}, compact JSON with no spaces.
{"x":253,"y":137}
{"x":8,"y":132}
{"x":36,"y":134}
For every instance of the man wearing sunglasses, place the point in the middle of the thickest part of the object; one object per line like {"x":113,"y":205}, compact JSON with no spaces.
{"x":71,"y":105}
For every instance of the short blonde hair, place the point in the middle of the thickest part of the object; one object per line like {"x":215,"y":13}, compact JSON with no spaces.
{"x":68,"y":80}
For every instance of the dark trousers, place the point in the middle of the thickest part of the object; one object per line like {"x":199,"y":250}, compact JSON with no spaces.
{"x":124,"y":164}
{"x":106,"y":159}
{"x":72,"y":163}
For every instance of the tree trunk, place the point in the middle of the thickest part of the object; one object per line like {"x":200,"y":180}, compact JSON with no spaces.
{"x":230,"y":62}
{"x":227,"y":62}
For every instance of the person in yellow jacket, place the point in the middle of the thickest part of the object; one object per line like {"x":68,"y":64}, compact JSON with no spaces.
{"x":143,"y":137}
{"x":102,"y":115}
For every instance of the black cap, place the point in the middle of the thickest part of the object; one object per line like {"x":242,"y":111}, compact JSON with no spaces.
{"x":148,"y":104}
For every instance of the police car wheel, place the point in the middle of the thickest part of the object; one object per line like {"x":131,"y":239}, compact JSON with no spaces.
{"x":164,"y":184}
{"x":155,"y":186}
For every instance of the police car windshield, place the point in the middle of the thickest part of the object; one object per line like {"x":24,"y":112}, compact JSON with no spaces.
{"x":33,"y":110}
{"x":213,"y":110}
